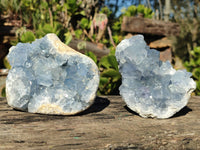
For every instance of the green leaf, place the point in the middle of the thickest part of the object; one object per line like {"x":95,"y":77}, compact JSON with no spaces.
{"x":196,"y":73}
{"x":103,"y":81}
{"x":109,"y":62}
{"x":112,"y":51}
{"x":131,"y":11}
{"x":28,"y":36}
{"x":106,"y":10}
{"x":3,"y":92}
{"x":82,"y":12}
{"x":117,"y":26}
{"x":47,"y":28}
{"x":92,"y":56}
{"x":78,"y":33}
{"x":68,"y":37}
{"x":148,"y":13}
{"x":116,"y":38}
{"x":112,"y":60}
{"x":105,"y":41}
{"x":72,"y":6}
{"x":104,"y":62}
{"x":140,"y":9}
{"x":84,"y":23}
{"x":44,"y":5}
{"x":115,"y":75}
{"x":6,"y":63}
{"x":14,"y":42}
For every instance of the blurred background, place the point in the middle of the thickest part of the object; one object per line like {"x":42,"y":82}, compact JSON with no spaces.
{"x":95,"y":27}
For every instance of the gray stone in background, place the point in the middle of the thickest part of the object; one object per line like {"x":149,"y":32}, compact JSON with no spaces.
{"x":151,"y":87}
{"x":49,"y":77}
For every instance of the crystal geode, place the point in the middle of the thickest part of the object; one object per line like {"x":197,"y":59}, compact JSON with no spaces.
{"x":49,"y":77}
{"x":151,"y":87}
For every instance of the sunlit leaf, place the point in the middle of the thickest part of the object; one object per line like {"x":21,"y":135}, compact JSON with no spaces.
{"x":92,"y":55}
{"x":109,"y":62}
{"x":28,"y":36}
{"x":115,"y":75}
{"x":3,"y":92}
{"x":68,"y":38}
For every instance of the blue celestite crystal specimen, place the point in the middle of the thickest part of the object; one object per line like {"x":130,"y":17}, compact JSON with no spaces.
{"x":49,"y":77}
{"x":151,"y":87}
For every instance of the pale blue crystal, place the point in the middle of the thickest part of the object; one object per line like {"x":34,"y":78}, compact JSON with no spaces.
{"x":49,"y":77}
{"x":151,"y":87}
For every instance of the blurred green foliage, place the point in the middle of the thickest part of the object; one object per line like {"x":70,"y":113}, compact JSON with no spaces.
{"x":105,"y":10}
{"x":193,"y":65}
{"x":188,"y":17}
{"x":6,"y":63}
{"x":92,"y":56}
{"x":138,"y":10}
{"x":74,"y":19}
{"x":186,"y":45}
{"x":27,"y":37}
{"x":110,"y":78}
{"x":48,"y":28}
{"x":85,"y":23}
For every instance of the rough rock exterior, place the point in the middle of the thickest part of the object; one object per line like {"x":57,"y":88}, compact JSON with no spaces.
{"x":151,"y":87}
{"x":49,"y":77}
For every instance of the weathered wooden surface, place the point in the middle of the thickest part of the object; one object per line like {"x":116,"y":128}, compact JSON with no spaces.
{"x":149,"y":26}
{"x":108,"y":124}
{"x":161,"y":43}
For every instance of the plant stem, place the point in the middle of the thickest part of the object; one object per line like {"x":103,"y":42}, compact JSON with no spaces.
{"x":51,"y":18}
{"x":160,"y":5}
{"x":88,"y":35}
{"x":110,"y":36}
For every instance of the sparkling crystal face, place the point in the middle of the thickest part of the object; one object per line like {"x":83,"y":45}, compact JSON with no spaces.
{"x":47,"y":79}
{"x":151,"y":87}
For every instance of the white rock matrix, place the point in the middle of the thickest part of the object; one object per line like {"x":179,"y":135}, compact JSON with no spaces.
{"x":150,"y":87}
{"x":49,"y":77}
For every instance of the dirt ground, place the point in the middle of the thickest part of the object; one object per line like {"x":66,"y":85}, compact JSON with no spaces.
{"x":108,"y":124}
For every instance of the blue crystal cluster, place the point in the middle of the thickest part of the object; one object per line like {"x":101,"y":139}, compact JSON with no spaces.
{"x":49,"y":77}
{"x":151,"y":87}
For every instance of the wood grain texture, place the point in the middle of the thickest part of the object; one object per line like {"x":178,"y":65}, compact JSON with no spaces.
{"x":108,"y":124}
{"x":149,"y":26}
